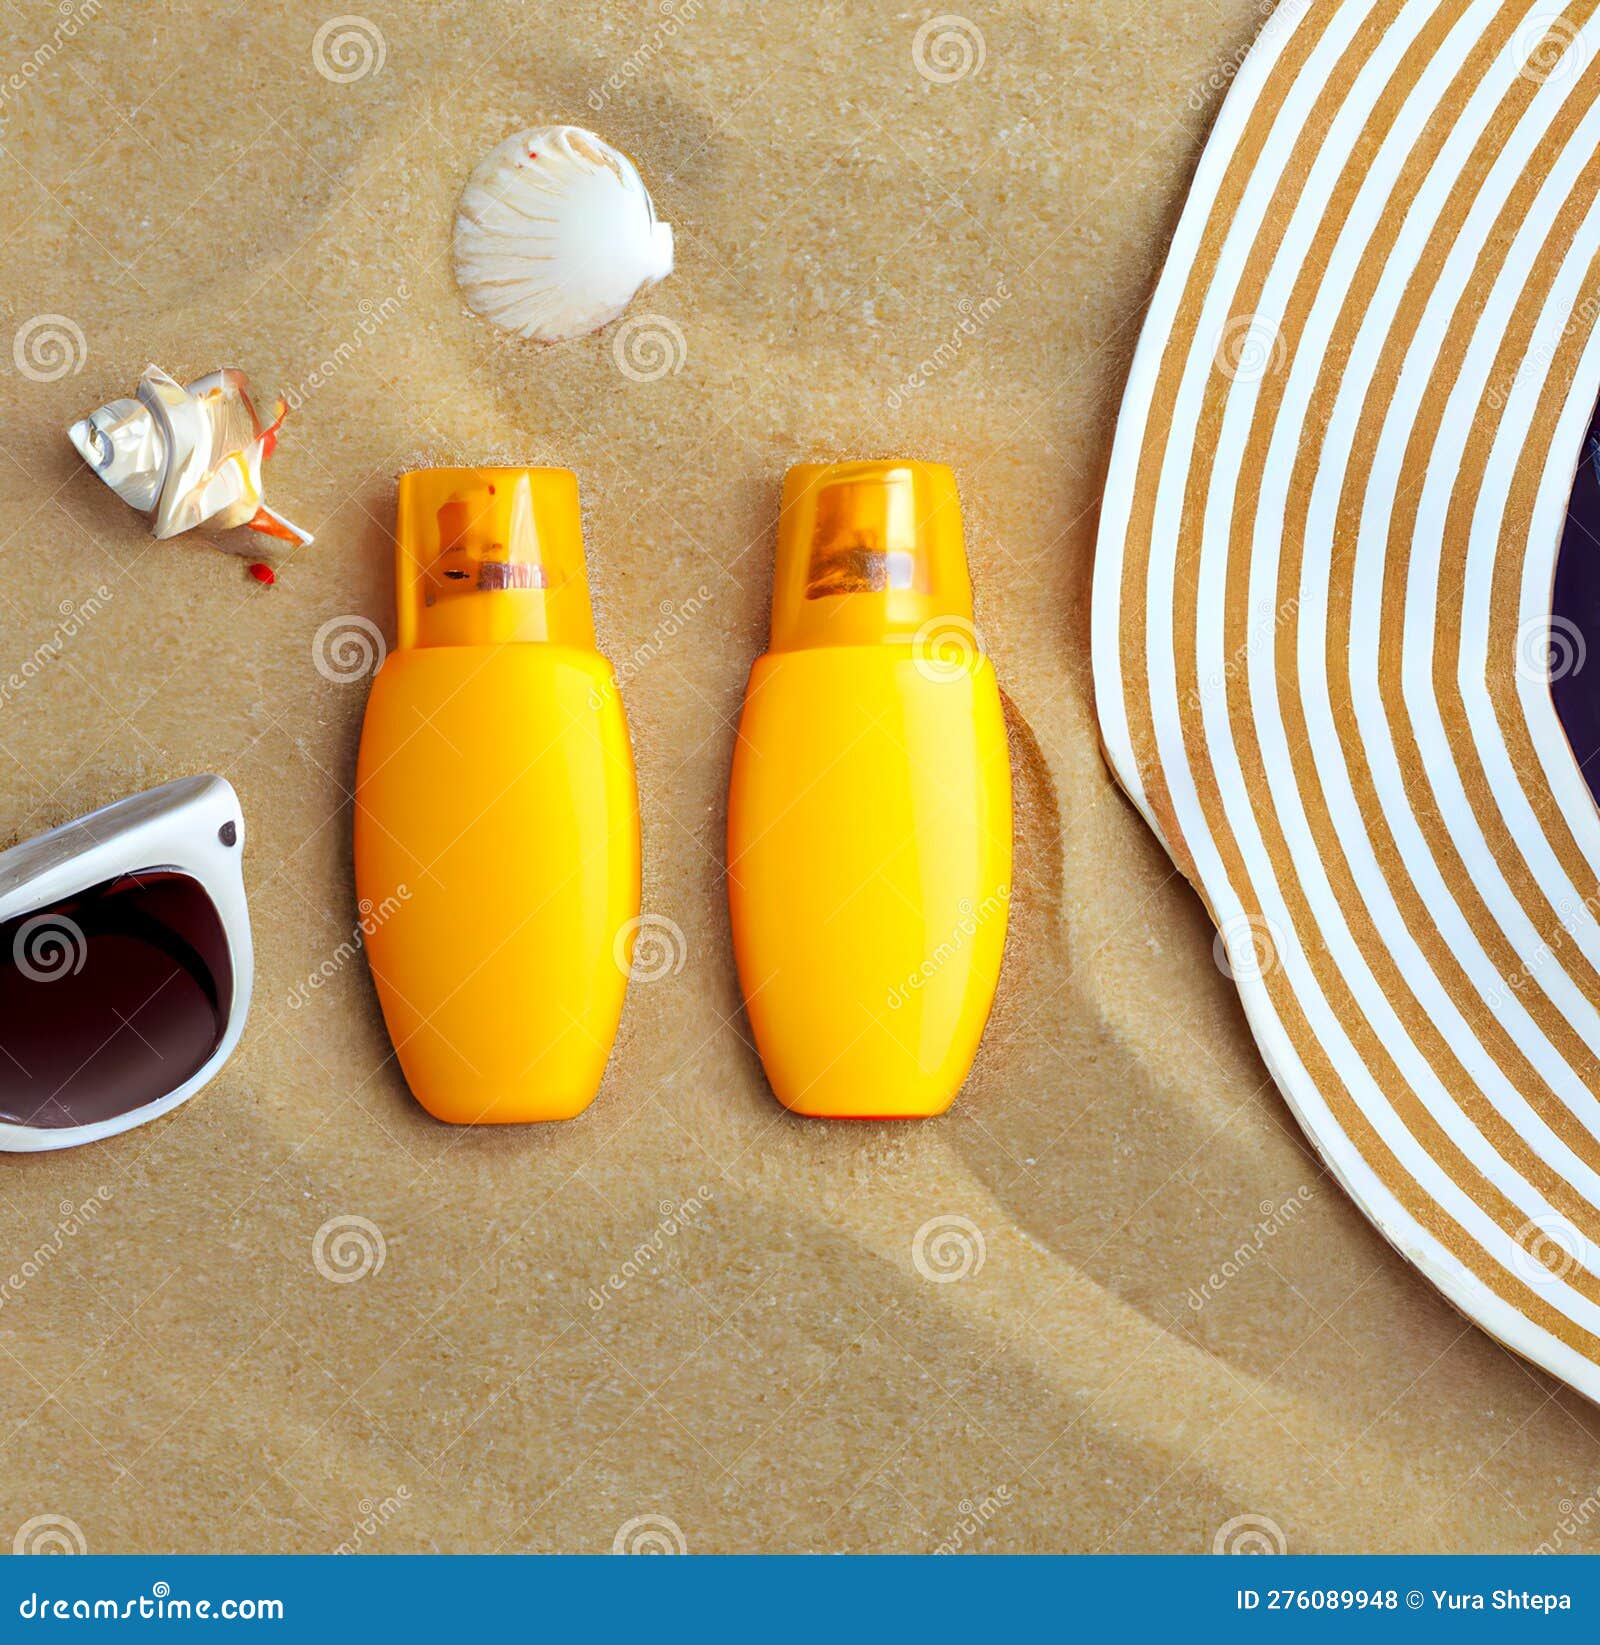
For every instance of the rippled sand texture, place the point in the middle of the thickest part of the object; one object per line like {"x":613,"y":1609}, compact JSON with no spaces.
{"x":1176,"y":1319}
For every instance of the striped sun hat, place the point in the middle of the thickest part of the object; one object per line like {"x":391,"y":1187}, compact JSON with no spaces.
{"x":1327,"y":616}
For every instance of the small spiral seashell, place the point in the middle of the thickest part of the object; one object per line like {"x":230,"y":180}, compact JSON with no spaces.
{"x":556,"y":235}
{"x":187,"y":454}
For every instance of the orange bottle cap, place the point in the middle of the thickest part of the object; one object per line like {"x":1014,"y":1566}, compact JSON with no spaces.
{"x":867,"y":552}
{"x":487,"y":555}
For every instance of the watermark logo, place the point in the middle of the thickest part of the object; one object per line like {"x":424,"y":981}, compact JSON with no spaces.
{"x":1246,"y":947}
{"x":1552,"y":46}
{"x":947,"y":49}
{"x":347,"y":49}
{"x":1547,"y":1248}
{"x":1248,"y":349}
{"x":946,"y":649}
{"x":346,"y":1249}
{"x":50,"y":1534}
{"x":945,"y":1249}
{"x":649,"y":948}
{"x":49,"y":946}
{"x":1250,"y":1534}
{"x":649,"y":1534}
{"x":1550,"y":648}
{"x":648,"y":347}
{"x":49,"y":347}
{"x":348,"y":648}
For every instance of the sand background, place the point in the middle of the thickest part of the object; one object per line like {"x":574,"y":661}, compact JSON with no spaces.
{"x":1177,"y":1320}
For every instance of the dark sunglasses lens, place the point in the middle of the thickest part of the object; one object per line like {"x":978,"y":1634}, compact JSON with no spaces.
{"x":110,"y":999}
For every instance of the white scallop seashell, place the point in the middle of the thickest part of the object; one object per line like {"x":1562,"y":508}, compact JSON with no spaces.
{"x":556,"y":235}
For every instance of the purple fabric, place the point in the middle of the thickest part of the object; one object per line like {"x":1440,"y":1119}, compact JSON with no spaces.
{"x":1575,"y":612}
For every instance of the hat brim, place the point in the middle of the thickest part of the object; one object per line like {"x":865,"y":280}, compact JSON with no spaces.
{"x":1322,"y":597}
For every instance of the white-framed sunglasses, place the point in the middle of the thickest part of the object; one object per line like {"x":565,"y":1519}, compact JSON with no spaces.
{"x":125,"y":964}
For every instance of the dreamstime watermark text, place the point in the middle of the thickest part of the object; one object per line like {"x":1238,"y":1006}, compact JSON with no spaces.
{"x":973,"y":1517}
{"x":674,"y":1219}
{"x":374,"y":317}
{"x":676,"y":615}
{"x":973,"y":919}
{"x":971,"y":317}
{"x":371,"y":1518}
{"x":73,"y":617}
{"x":1274,"y":1219}
{"x":73,"y":1219}
{"x":676,"y":15}
{"x":74,"y":19}
{"x":372,"y":916}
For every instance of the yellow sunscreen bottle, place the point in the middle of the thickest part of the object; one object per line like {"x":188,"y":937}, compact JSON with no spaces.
{"x":869,"y":820}
{"x":497,"y":817}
